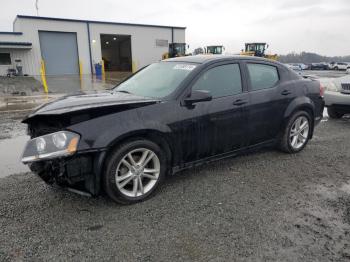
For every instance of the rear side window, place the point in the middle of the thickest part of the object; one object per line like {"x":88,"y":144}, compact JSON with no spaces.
{"x":224,"y":80}
{"x":262,"y":76}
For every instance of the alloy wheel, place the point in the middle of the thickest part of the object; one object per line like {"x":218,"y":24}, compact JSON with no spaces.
{"x":299,"y":132}
{"x":138,"y":172}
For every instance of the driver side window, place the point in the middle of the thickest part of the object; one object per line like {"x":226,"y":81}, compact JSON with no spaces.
{"x":220,"y":81}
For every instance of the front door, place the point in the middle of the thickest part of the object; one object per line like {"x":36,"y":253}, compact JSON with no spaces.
{"x":220,"y":125}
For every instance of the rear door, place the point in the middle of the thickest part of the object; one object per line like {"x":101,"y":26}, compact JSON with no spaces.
{"x":269,"y":97}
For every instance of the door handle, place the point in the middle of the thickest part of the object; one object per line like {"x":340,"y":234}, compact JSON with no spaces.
{"x":239,"y":102}
{"x":286,"y":92}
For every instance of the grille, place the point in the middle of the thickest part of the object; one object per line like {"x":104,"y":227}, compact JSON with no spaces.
{"x":345,"y":88}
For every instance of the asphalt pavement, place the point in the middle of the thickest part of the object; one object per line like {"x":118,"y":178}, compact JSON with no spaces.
{"x":264,"y":206}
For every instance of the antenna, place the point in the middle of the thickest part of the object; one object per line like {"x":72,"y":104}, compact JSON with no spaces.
{"x":37,"y":7}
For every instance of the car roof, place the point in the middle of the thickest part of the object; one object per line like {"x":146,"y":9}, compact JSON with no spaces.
{"x":202,"y":59}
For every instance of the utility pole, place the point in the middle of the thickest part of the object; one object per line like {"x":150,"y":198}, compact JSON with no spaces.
{"x":37,"y":7}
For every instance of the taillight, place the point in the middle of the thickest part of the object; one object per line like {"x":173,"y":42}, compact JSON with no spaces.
{"x":321,"y":90}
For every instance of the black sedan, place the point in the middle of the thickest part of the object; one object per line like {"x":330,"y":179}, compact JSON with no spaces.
{"x":319,"y":66}
{"x":167,"y":117}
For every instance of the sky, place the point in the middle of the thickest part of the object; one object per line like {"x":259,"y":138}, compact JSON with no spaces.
{"x":320,"y":26}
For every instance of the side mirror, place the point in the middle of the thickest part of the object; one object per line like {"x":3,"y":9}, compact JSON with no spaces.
{"x":198,"y":96}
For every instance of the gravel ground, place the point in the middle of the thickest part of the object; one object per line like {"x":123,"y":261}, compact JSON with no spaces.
{"x":266,"y":206}
{"x":10,"y":124}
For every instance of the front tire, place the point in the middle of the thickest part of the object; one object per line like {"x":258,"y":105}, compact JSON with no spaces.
{"x":134,"y":171}
{"x":296,"y":133}
{"x":333,"y":113}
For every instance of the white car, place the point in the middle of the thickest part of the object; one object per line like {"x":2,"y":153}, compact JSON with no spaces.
{"x":295,"y":67}
{"x":302,"y":66}
{"x":331,"y":65}
{"x":337,"y":96}
{"x":341,"y":66}
{"x":348,"y":70}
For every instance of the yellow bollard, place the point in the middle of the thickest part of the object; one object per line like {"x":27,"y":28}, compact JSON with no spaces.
{"x":81,"y":74}
{"x":133,"y":66}
{"x":80,"y":69}
{"x":103,"y":70}
{"x":43,"y":76}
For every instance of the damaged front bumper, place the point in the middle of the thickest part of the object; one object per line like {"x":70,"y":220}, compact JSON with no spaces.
{"x":81,"y":172}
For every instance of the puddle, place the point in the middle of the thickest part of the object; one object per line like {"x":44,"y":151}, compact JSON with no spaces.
{"x":10,"y":153}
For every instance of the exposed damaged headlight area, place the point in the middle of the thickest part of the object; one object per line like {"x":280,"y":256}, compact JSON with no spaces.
{"x":43,"y":125}
{"x":58,"y":144}
{"x":72,"y":172}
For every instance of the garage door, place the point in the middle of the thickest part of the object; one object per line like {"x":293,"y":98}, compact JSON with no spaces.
{"x":60,"y":52}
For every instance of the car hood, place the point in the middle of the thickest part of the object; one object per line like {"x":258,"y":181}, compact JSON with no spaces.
{"x":89,"y":100}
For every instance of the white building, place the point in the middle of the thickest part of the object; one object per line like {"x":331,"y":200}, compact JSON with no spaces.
{"x":67,"y":46}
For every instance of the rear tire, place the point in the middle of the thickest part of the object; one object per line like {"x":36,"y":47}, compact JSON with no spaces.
{"x":333,"y":113}
{"x":134,"y":171}
{"x":296,"y":133}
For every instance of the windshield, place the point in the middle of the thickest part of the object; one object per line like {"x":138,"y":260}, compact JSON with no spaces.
{"x":156,"y":80}
{"x":260,"y":48}
{"x":179,"y":49}
{"x":216,"y":50}
{"x":256,"y":47}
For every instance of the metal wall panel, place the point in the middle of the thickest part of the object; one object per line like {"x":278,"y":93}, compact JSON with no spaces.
{"x":31,"y":28}
{"x":143,"y":41}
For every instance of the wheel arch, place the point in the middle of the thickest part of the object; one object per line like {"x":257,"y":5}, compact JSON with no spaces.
{"x":300,"y":104}
{"x":155,"y":136}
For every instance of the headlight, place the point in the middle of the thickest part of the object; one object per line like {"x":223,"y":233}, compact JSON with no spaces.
{"x":60,"y":140}
{"x":63,"y":143}
{"x":40,"y":144}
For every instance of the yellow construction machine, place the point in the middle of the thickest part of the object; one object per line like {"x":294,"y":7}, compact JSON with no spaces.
{"x":175,"y":50}
{"x":258,"y":49}
{"x":214,"y":49}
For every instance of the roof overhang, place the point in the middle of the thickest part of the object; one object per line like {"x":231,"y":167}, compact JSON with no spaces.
{"x":11,"y":33}
{"x":15,"y":45}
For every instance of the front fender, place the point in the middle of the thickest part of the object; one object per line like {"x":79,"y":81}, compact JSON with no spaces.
{"x":101,"y":132}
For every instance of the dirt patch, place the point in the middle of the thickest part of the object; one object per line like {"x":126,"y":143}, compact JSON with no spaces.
{"x":25,"y":85}
{"x":10,"y":124}
{"x":320,"y":224}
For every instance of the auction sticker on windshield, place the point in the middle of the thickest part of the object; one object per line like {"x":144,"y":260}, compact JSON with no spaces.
{"x":184,"y":67}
